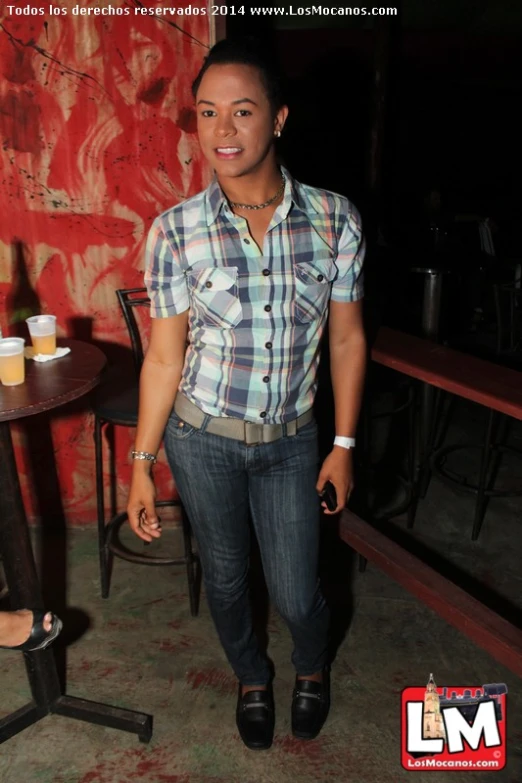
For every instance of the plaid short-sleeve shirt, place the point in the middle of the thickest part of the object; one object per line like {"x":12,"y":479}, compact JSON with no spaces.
{"x":256,"y":317}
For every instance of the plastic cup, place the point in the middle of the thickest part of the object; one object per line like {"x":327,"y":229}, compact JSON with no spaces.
{"x":12,"y":364}
{"x":42,"y":329}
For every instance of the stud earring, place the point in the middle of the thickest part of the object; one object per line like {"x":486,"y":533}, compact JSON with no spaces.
{"x":278,"y":134}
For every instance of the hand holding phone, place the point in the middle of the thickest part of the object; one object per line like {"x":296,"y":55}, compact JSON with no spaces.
{"x":329,"y":495}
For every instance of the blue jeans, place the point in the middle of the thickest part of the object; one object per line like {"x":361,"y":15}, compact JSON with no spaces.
{"x":222,"y":484}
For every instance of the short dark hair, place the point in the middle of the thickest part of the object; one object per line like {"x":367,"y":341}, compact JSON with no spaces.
{"x":251,"y":51}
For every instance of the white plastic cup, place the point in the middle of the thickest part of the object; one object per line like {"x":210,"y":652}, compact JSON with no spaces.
{"x":42,"y":329}
{"x":12,"y":364}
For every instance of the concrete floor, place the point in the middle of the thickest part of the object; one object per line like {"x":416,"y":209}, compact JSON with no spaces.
{"x":142,"y":650}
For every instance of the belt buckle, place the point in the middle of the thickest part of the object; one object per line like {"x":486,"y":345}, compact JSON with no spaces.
{"x":253,"y":433}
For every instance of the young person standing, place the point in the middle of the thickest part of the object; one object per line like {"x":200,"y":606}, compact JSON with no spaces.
{"x":242,"y":278}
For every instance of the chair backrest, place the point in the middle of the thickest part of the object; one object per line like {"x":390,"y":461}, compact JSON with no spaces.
{"x":130,"y":299}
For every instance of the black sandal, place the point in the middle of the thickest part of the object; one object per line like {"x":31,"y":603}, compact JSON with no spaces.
{"x":39,"y":638}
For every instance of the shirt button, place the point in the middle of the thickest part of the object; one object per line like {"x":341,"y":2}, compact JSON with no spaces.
{"x":268,"y":345}
{"x":246,"y":241}
{"x":320,"y":278}
{"x":266,"y":272}
{"x":208,"y":284}
{"x":266,"y":379}
{"x":263,"y":414}
{"x":267,"y":308}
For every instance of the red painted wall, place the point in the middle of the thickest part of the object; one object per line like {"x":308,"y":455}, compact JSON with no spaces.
{"x":98,"y":137}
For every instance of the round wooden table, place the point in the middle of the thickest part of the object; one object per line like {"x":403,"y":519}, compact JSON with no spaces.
{"x":48,"y":386}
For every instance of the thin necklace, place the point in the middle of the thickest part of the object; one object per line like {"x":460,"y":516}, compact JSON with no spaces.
{"x":260,"y":206}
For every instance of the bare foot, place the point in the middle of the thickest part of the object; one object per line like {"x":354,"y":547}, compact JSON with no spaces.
{"x":15,"y":627}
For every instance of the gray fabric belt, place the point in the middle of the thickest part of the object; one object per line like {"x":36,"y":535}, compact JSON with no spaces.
{"x":248,"y":431}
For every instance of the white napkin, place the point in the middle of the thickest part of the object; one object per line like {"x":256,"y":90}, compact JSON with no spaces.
{"x":42,"y":357}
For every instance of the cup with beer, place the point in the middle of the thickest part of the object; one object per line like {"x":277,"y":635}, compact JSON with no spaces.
{"x":12,"y":365}
{"x":42,"y":329}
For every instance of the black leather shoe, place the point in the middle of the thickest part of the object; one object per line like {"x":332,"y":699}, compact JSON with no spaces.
{"x":255,"y":718}
{"x":310,"y":706}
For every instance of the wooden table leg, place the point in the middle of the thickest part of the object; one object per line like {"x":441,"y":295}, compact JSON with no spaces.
{"x":24,"y":591}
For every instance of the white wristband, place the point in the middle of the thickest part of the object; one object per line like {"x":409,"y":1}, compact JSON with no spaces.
{"x":346,"y":443}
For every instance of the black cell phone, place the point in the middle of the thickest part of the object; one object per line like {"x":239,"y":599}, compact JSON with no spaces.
{"x":329,"y":495}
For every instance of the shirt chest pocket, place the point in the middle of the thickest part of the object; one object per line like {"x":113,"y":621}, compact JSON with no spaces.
{"x":214,"y":296}
{"x":312,"y":288}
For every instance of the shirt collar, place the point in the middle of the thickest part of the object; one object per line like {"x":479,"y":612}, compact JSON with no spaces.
{"x":215,"y":199}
